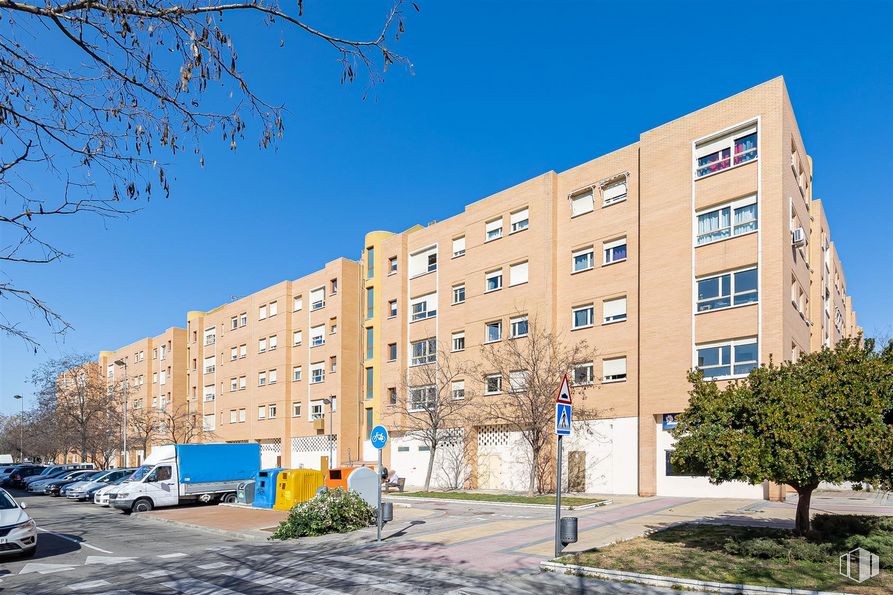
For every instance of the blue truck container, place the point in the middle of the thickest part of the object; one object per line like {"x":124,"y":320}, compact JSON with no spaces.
{"x":204,"y":463}
{"x":265,"y":487}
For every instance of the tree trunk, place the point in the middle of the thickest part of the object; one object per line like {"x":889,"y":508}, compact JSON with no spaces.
{"x":431,"y":454}
{"x":801,"y":520}
{"x":531,"y":486}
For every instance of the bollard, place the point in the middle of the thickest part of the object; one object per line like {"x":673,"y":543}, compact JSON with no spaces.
{"x":387,"y":512}
{"x":568,"y":530}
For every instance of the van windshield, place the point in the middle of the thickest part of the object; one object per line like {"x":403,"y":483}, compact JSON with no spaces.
{"x":140,"y":473}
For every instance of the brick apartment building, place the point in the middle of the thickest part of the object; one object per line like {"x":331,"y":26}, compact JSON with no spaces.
{"x":701,"y":245}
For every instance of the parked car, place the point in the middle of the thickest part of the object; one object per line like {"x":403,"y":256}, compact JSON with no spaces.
{"x":56,"y":470}
{"x":6,"y":472}
{"x":18,"y":533}
{"x":63,"y":490}
{"x":101,"y":496}
{"x":16,"y":479}
{"x":84,"y":489}
{"x":52,"y":488}
{"x":37,"y":483}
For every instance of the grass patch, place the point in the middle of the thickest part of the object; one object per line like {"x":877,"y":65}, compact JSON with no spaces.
{"x":507,"y":498}
{"x":756,"y":555}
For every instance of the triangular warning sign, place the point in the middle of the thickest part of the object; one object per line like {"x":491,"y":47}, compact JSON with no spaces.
{"x":564,"y":422}
{"x":564,"y":392}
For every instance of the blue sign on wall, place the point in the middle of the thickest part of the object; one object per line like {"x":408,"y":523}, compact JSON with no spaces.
{"x":379,"y":437}
{"x":670,"y":421}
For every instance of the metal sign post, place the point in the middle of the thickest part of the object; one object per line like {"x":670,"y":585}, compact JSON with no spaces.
{"x":379,"y":437}
{"x":563,"y":412}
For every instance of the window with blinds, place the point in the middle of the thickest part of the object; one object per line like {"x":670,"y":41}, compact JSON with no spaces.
{"x":317,"y":298}
{"x":581,"y":203}
{"x":614,"y":369}
{"x":424,"y":306}
{"x":518,"y":273}
{"x":614,"y":192}
{"x":493,"y":230}
{"x":458,"y":247}
{"x":423,"y":261}
{"x":520,"y":220}
{"x":317,"y":335}
{"x":614,"y":310}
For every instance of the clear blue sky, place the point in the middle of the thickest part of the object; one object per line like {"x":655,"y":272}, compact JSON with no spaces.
{"x":501,"y":92}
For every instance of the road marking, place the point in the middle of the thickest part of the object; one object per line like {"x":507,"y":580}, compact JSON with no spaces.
{"x":73,"y":540}
{"x":280,"y":582}
{"x":213,"y":565}
{"x":44,"y":568}
{"x":360,"y":578}
{"x":193,"y":586}
{"x":154,"y":574}
{"x":176,"y":555}
{"x":107,"y":561}
{"x":88,"y":585}
{"x":260,"y":557}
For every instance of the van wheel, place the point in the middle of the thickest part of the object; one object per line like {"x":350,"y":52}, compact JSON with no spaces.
{"x":229,"y":498}
{"x":142,"y":505}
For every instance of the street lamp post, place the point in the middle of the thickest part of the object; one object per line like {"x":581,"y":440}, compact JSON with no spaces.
{"x":123,"y":362}
{"x":330,"y":403}
{"x":21,"y":429}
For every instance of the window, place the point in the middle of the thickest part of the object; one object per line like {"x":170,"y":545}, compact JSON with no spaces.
{"x":209,"y":368}
{"x":262,"y":345}
{"x":274,"y":342}
{"x":581,"y":203}
{"x":233,"y":384}
{"x":370,"y":302}
{"x":370,"y":420}
{"x":317,"y":335}
{"x":271,"y":411}
{"x":262,"y":312}
{"x":392,"y":395}
{"x":493,"y":384}
{"x":273,"y":308}
{"x":458,"y":294}
{"x":424,"y":352}
{"x":726,"y":151}
{"x":155,"y":353}
{"x":370,"y":262}
{"x":261,"y":412}
{"x":209,"y":394}
{"x":458,"y":343}
{"x":422,"y":398}
{"x":261,"y":378}
{"x":457,"y":389}
{"x":459,"y":246}
{"x":392,"y":308}
{"x":296,"y":373}
{"x":243,"y":321}
{"x":727,"y":360}
{"x":493,"y":230}
{"x":614,"y":192}
{"x":614,"y":310}
{"x":316,"y":410}
{"x":243,"y":350}
{"x":297,"y":338}
{"x":583,"y":374}
{"x":392,"y":265}
{"x":423,"y":262}
{"x":317,"y":298}
{"x":333,"y":364}
{"x":520,"y":220}
{"x":370,"y":343}
{"x":582,"y":316}
{"x":210,"y":339}
{"x":614,"y":369}
{"x":296,"y":410}
{"x":615,"y":251}
{"x":734,"y":219}
{"x":392,"y":352}
{"x":317,"y":372}
{"x":273,"y":374}
{"x":154,"y":377}
{"x":233,"y":418}
{"x":493,"y":331}
{"x":298,"y":303}
{"x":518,"y":326}
{"x":493,"y":281}
{"x":724,"y":291}
{"x":583,"y":259}
{"x":518,"y":273}
{"x":234,"y":322}
{"x":333,"y":328}
{"x":517,"y":381}
{"x":233,"y":353}
{"x":370,"y":383}
{"x":243,"y":382}
{"x":242,"y":415}
{"x":423,"y":307}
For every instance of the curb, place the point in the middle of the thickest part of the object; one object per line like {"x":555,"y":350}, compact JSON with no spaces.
{"x":407,"y":499}
{"x":674,"y":582}
{"x":236,"y":534}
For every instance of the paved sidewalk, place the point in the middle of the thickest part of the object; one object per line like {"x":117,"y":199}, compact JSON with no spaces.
{"x":238,"y":521}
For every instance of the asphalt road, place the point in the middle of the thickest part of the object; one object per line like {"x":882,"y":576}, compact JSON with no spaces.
{"x":83,"y":548}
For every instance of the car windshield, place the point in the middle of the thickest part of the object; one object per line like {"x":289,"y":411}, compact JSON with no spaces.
{"x":7,"y":503}
{"x":140,"y":473}
{"x":8,"y":469}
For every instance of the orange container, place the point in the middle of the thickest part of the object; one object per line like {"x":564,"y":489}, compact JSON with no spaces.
{"x":337,"y":477}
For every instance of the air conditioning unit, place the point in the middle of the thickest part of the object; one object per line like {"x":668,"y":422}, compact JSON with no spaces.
{"x":798,"y":237}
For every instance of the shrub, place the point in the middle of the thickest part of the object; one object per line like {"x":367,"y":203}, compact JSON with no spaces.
{"x":768,"y":548}
{"x":332,"y":511}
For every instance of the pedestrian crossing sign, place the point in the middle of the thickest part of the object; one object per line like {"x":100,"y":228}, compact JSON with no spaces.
{"x":563,"y":419}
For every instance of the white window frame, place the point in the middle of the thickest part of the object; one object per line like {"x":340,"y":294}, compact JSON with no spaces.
{"x":297,"y":374}
{"x":262,"y":312}
{"x":392,"y":308}
{"x":261,"y":412}
{"x":618,"y":377}
{"x":428,"y":398}
{"x":233,"y":354}
{"x":243,"y":382}
{"x":296,"y":409}
{"x":297,"y":337}
{"x":498,"y":380}
{"x":457,"y":390}
{"x":722,"y":142}
{"x":317,"y":335}
{"x":317,"y":372}
{"x":273,"y":308}
{"x":492,"y":230}
{"x":262,"y":378}
{"x":519,"y":220}
{"x":242,"y":415}
{"x":458,"y":246}
{"x":456,"y":288}
{"x":616,"y":317}
{"x":298,"y":303}
{"x":518,"y":380}
{"x":519,"y":273}
{"x":587,"y":196}
{"x":581,"y":252}
{"x":609,"y":247}
{"x":272,"y":342}
{"x":420,"y":307}
{"x":498,"y":325}
{"x":272,"y":376}
{"x":243,"y":350}
{"x":513,"y":326}
{"x":233,"y":384}
{"x":732,"y":363}
{"x":496,"y":274}
{"x":455,"y":338}
{"x":590,"y":374}
{"x":420,"y":262}
{"x":262,"y":345}
{"x":733,"y":292}
{"x":428,"y":353}
{"x":318,"y":298}
{"x":272,"y":411}
{"x":608,"y":193}
{"x":317,"y":410}
{"x":584,"y":307}
{"x":734,"y":229}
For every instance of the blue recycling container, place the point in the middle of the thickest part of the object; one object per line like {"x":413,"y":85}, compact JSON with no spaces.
{"x":265,"y":487}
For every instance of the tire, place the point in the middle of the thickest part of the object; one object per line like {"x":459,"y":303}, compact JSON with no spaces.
{"x":229,"y":498}
{"x":29,"y":553}
{"x":142,"y":505}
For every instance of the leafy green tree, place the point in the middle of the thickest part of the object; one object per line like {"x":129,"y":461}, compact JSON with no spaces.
{"x":827,"y":417}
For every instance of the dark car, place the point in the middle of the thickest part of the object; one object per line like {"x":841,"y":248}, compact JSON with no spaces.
{"x":54,"y":486}
{"x":16,"y":479}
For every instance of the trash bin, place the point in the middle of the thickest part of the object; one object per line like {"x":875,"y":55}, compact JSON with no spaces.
{"x":265,"y":487}
{"x":365,"y":482}
{"x":337,"y":477}
{"x":245,"y":492}
{"x":294,"y":486}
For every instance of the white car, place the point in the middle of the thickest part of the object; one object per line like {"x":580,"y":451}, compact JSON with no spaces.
{"x":101,"y":496}
{"x":18,"y":533}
